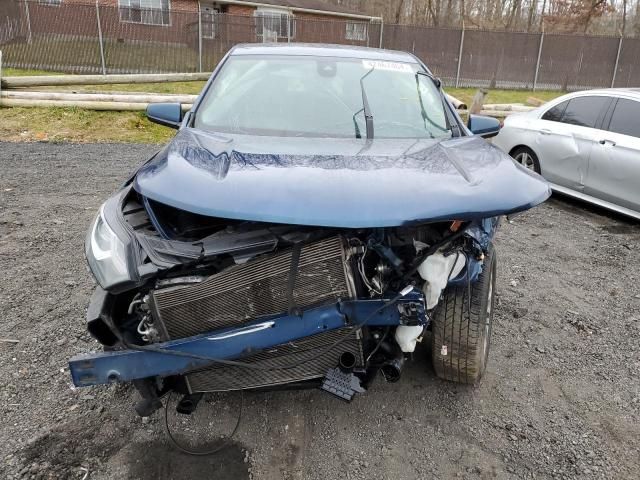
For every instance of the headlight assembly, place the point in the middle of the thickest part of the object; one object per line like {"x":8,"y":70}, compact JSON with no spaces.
{"x":106,"y":254}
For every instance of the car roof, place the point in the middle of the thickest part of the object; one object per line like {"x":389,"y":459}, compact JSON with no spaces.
{"x":323,"y":50}
{"x":625,"y":92}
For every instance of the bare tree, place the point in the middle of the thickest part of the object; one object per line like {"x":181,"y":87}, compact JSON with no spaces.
{"x":596,"y":16}
{"x":544,"y":6}
{"x":533,"y":7}
{"x":399,"y":9}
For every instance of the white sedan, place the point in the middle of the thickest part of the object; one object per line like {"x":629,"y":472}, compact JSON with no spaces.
{"x":586,"y":144}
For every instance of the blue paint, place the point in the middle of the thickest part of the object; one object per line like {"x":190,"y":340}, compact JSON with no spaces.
{"x":486,"y":127}
{"x":167,"y":114}
{"x":127,"y":365}
{"x":345,"y":183}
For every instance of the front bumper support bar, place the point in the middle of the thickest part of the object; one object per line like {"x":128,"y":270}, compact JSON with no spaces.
{"x":233,"y":343}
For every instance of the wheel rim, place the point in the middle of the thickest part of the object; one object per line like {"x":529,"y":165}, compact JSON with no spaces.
{"x":526,"y":161}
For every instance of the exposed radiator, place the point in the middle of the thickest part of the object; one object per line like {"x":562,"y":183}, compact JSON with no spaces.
{"x":223,"y":377}
{"x":260,"y":287}
{"x":246,"y":292}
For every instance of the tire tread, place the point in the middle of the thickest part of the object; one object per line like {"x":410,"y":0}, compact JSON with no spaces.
{"x":461,"y":329}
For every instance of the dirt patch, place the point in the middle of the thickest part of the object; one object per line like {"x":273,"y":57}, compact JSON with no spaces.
{"x":75,"y":446}
{"x":560,"y":398}
{"x":157,"y":460}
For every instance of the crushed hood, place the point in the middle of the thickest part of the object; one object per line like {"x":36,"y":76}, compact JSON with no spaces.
{"x":348,"y":183}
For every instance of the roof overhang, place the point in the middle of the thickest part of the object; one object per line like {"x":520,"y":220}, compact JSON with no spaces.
{"x":354,"y":16}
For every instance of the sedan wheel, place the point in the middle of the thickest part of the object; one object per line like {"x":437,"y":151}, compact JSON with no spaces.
{"x":526,"y":158}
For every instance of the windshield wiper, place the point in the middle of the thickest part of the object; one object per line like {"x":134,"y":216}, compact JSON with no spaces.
{"x":423,"y":112}
{"x":368,"y":118}
{"x":355,"y":123}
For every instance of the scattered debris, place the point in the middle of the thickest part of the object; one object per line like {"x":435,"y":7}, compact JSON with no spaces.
{"x":580,"y":325}
{"x":520,"y":312}
{"x":535,"y":102}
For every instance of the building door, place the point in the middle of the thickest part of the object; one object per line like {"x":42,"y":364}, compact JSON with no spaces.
{"x":209,"y":19}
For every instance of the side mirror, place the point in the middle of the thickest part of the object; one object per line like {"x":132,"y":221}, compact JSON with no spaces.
{"x":486,"y":127}
{"x":167,"y":114}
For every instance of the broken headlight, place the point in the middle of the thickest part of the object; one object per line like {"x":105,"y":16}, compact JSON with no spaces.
{"x":106,"y":254}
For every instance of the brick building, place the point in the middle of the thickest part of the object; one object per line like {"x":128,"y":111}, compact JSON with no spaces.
{"x":226,"y":20}
{"x":118,"y":36}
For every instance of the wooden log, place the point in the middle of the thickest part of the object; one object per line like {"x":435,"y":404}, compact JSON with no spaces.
{"x":458,"y":104}
{"x":105,"y":92}
{"x":478,"y":101}
{"x":55,"y":80}
{"x":491,"y":113}
{"x":508,"y":107}
{"x":497,"y":113}
{"x":113,"y":106}
{"x":103,"y":97}
{"x":536,"y":102}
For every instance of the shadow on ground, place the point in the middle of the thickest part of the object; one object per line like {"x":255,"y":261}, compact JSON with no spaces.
{"x":157,"y":460}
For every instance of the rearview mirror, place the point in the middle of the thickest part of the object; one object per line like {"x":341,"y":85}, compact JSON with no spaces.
{"x":167,"y":114}
{"x":486,"y":127}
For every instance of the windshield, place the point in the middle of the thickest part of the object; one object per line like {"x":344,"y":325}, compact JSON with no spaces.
{"x":305,"y":96}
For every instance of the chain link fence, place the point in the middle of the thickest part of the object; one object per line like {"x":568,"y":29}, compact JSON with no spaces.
{"x":76,"y":38}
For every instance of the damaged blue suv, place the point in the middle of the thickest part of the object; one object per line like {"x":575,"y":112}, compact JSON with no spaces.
{"x":320,"y":210}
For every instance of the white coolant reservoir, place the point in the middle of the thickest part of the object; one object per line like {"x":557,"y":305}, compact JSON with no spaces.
{"x":436,"y":271}
{"x":407,"y":336}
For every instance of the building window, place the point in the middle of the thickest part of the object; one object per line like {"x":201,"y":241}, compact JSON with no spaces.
{"x":53,"y":3}
{"x":272,"y":25}
{"x":147,"y":12}
{"x":356,"y":31}
{"x":209,"y":19}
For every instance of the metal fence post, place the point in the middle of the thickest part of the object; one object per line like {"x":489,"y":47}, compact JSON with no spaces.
{"x":381,"y":28}
{"x":289,"y":17}
{"x":535,"y":77}
{"x":368,"y":27}
{"x":26,"y":9}
{"x":199,"y":37}
{"x":460,"y":56}
{"x":104,"y":64}
{"x":615,"y":68}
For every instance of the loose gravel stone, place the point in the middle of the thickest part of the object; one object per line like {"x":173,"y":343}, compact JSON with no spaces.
{"x":571,"y":411}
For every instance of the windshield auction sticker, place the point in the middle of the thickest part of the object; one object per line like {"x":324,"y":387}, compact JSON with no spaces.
{"x":389,"y":66}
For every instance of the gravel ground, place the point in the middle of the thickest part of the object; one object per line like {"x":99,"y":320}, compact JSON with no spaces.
{"x":561,"y":397}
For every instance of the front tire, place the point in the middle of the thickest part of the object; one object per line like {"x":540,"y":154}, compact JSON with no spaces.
{"x":461,"y":337}
{"x":527,"y":158}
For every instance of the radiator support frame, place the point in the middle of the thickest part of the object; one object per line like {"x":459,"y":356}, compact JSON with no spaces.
{"x":127,"y":365}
